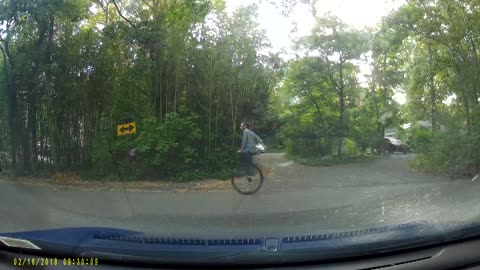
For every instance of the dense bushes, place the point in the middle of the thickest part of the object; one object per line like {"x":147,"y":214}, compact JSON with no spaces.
{"x":450,"y":153}
{"x":306,"y":140}
{"x":172,"y":145}
{"x":351,"y":148}
{"x":171,"y":149}
{"x":421,"y":140}
{"x":305,"y":136}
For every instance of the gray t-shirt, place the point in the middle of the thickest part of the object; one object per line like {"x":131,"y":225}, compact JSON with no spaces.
{"x":250,"y":141}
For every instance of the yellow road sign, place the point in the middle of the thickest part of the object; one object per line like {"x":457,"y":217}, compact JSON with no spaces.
{"x":126,"y":129}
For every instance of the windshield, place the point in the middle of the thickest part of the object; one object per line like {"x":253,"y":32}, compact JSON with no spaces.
{"x":220,"y":119}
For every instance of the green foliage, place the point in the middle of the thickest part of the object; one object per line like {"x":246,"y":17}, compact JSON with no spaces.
{"x":171,"y":146}
{"x":364,"y":130}
{"x":219,"y":164}
{"x":323,"y":91}
{"x":166,"y":150}
{"x":307,"y":140}
{"x":453,"y":154}
{"x":73,"y":73}
{"x":189,"y":71}
{"x":351,"y":148}
{"x":421,"y":140}
{"x":102,"y":156}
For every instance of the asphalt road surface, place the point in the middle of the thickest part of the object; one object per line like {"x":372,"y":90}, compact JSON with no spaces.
{"x":295,"y":199}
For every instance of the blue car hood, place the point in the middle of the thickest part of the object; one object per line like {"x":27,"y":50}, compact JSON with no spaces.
{"x":128,"y":245}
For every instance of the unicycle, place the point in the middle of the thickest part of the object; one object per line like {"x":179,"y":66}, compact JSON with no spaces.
{"x":244,"y":184}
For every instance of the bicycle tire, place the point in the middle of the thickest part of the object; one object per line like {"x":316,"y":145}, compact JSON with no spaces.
{"x":232,"y":180}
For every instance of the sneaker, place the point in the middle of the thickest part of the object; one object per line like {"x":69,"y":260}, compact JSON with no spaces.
{"x":250,"y":181}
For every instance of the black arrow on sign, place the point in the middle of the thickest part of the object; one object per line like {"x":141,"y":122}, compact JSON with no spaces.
{"x":129,"y":128}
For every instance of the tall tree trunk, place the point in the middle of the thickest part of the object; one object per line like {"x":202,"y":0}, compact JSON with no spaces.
{"x":209,"y":120}
{"x":235,"y":121}
{"x":467,"y":112}
{"x":31,"y":139}
{"x":384,"y":91}
{"x":176,"y":89}
{"x":159,"y":84}
{"x":20,"y":130}
{"x":376,"y":107}
{"x":433,"y":93}
{"x":15,"y":133}
{"x":234,"y":124}
{"x":342,"y":118}
{"x":11,"y":105}
{"x":216,"y":120}
{"x":342,"y":109}
{"x":160,"y":95}
{"x":155,"y":89}
{"x":167,"y":87}
{"x":107,"y":13}
{"x":465,"y":98}
{"x":210,"y":90}
{"x":474,"y":53}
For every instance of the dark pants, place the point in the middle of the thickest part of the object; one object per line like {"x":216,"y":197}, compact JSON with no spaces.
{"x":247,"y":162}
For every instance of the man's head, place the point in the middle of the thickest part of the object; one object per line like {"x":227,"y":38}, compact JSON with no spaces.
{"x":243,"y":126}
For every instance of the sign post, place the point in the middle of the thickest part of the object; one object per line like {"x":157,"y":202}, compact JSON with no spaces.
{"x":122,"y":130}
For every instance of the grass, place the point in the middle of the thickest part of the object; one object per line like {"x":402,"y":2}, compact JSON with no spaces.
{"x":318,"y":162}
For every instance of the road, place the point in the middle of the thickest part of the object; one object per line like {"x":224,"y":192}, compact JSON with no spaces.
{"x":295,"y":199}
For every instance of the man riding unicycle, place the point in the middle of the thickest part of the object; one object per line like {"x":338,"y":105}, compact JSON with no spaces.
{"x":248,"y":149}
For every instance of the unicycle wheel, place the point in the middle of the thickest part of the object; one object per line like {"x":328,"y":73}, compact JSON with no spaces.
{"x":244,"y":186}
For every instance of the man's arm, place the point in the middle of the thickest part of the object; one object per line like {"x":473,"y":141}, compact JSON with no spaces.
{"x":244,"y":142}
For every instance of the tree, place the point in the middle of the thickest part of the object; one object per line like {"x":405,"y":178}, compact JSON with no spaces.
{"x":73,"y":70}
{"x":387,"y":74}
{"x":338,"y":47}
{"x":451,"y":26}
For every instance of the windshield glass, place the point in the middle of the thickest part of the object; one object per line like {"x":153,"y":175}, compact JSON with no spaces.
{"x":215,"y":119}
